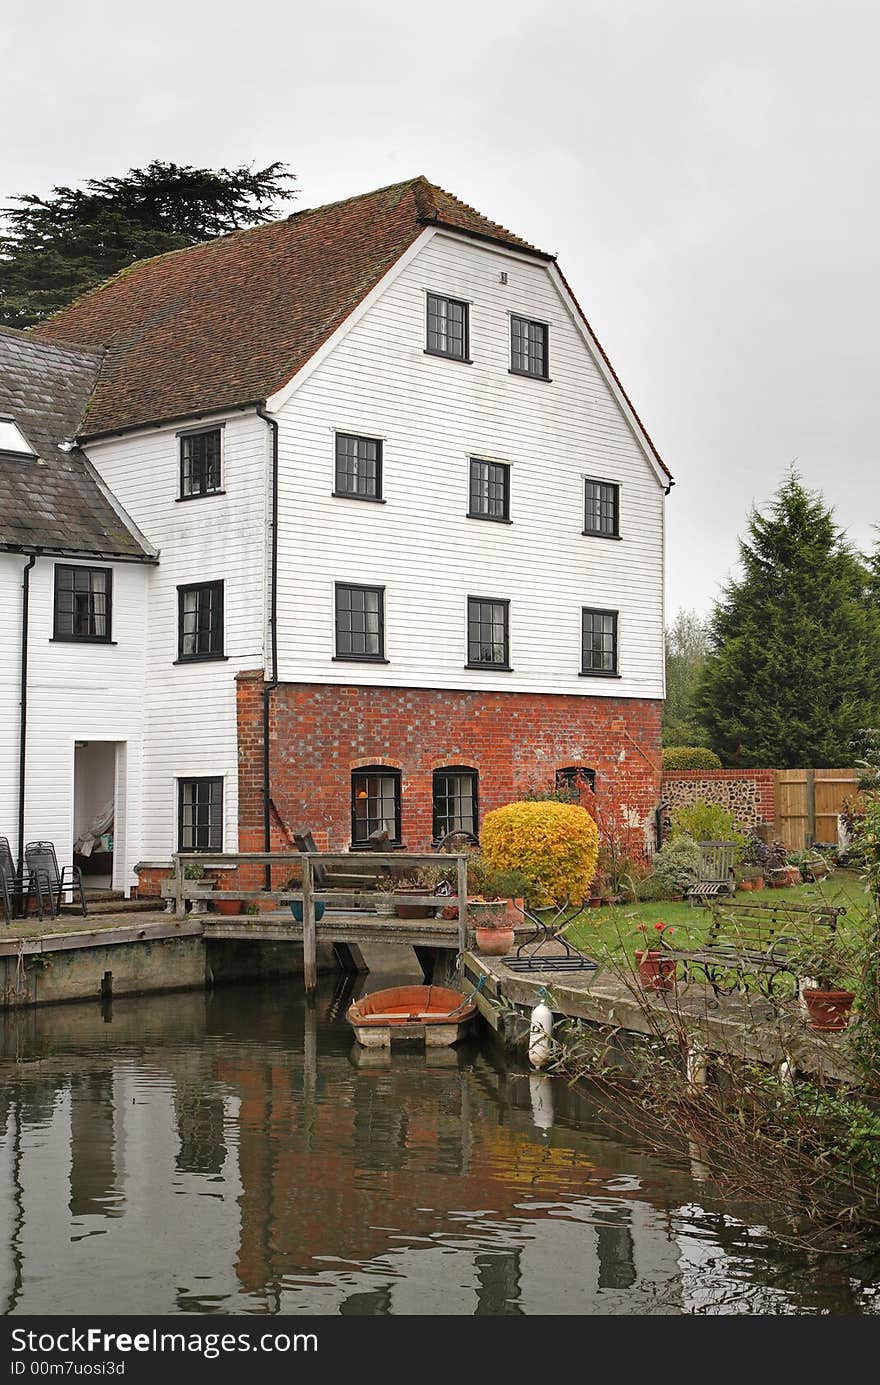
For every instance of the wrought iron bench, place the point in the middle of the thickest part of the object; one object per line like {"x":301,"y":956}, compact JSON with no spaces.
{"x":716,"y":874}
{"x":752,"y":941}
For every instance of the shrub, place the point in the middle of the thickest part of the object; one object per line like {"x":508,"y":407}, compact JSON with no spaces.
{"x":676,"y":867}
{"x":652,"y":888}
{"x":706,"y":822}
{"x":554,"y":845}
{"x":690,"y":757}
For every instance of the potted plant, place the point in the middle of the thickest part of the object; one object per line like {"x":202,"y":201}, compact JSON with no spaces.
{"x":227,"y":902}
{"x":424,"y":881}
{"x":826,"y":966}
{"x":656,"y":970}
{"x":385,"y":886}
{"x":194,"y":870}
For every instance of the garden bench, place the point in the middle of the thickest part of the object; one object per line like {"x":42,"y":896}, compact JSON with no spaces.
{"x":753,"y":940}
{"x":716,"y":875}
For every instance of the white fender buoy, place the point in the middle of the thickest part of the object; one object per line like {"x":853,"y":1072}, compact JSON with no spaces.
{"x":697,"y":1064}
{"x":541,"y":1092}
{"x":540,"y":1035}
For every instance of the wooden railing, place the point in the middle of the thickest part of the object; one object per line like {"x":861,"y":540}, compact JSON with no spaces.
{"x":393,"y":861}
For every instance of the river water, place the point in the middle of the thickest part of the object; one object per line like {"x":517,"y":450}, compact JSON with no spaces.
{"x":235,"y":1152}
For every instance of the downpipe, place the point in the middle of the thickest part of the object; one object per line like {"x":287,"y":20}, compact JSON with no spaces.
{"x":270,"y":684}
{"x":22,"y":723}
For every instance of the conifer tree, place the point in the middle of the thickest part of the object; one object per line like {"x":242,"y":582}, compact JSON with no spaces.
{"x":794,"y":669}
{"x":55,"y":248}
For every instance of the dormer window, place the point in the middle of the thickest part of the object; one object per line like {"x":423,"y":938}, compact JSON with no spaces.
{"x":13,"y":440}
{"x":200,"y":463}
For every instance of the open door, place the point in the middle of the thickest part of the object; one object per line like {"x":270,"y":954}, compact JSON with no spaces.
{"x":94,"y":811}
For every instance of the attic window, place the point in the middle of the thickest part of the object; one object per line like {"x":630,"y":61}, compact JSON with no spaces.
{"x":12,"y":439}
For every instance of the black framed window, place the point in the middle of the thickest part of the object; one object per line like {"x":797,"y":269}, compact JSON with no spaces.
{"x":489,"y":493}
{"x":570,"y":778}
{"x":83,"y":603}
{"x":529,"y":347}
{"x":375,"y":804}
{"x":602,"y":508}
{"x":455,"y":800}
{"x":488,"y":633}
{"x":448,"y":327}
{"x":200,"y":621}
{"x":200,"y":814}
{"x":599,"y":641}
{"x":358,"y":467}
{"x":360,"y":622}
{"x":200,"y":463}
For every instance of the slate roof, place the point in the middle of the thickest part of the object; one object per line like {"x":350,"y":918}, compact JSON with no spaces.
{"x":230,"y":321}
{"x":53,"y":500}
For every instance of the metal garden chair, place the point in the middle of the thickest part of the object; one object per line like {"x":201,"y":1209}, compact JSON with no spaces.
{"x":42,"y":862}
{"x":16,"y":889}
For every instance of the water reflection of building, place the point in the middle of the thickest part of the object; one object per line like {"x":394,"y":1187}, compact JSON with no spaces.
{"x":202,"y":1168}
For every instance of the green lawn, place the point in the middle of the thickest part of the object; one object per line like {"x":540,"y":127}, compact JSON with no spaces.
{"x":606,"y":932}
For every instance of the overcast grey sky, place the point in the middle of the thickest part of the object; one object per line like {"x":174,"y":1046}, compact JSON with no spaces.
{"x":707,"y":172}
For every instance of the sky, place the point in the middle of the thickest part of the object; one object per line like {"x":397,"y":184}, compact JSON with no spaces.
{"x":706,"y":171}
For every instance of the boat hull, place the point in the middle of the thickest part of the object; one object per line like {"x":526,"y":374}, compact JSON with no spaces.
{"x":432,"y":1015}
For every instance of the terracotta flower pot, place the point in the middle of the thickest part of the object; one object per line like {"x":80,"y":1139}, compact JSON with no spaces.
{"x":412,"y":911}
{"x":494,"y":942}
{"x":656,"y":971}
{"x":746,"y":885}
{"x":828,"y":1009}
{"x":227,"y":904}
{"x":759,"y":883}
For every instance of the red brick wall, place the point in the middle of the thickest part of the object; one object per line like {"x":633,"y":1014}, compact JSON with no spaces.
{"x":319,"y":733}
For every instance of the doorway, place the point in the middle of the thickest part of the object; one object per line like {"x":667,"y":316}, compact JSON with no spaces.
{"x":96,"y":842}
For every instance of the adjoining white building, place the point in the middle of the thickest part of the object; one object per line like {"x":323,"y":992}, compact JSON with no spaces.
{"x":363,"y":476}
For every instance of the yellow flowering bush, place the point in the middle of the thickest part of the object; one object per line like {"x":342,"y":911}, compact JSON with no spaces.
{"x":555,"y":845}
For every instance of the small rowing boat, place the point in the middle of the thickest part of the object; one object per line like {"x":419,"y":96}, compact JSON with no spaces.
{"x":435,"y":1015}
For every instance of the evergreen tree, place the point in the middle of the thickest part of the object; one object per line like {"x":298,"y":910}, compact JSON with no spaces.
{"x":55,"y":248}
{"x":687,"y":644}
{"x":794,"y":670}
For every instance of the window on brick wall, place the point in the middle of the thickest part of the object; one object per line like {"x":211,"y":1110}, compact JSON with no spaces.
{"x":570,"y":778}
{"x":455,"y":800}
{"x":375,"y":804}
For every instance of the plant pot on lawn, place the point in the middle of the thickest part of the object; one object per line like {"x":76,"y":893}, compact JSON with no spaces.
{"x":656,"y":970}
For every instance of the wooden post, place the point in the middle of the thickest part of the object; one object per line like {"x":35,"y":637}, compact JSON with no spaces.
{"x":461,"y":871}
{"x":310,"y":942}
{"x":179,"y":907}
{"x":811,"y":806}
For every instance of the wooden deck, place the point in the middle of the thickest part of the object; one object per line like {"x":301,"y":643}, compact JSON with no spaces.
{"x":28,"y":936}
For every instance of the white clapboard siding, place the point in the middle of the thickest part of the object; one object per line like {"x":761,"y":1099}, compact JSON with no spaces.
{"x":432,"y":414}
{"x":190,"y":711}
{"x":75,"y":692}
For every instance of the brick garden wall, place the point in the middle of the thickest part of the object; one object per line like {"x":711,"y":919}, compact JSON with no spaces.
{"x":319,"y":733}
{"x":750,"y":794}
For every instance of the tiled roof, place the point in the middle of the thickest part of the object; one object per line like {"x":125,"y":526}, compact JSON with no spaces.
{"x":231,"y":321}
{"x":53,"y":500}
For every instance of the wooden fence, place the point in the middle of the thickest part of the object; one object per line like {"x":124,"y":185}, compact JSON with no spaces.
{"x":808,"y":802}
